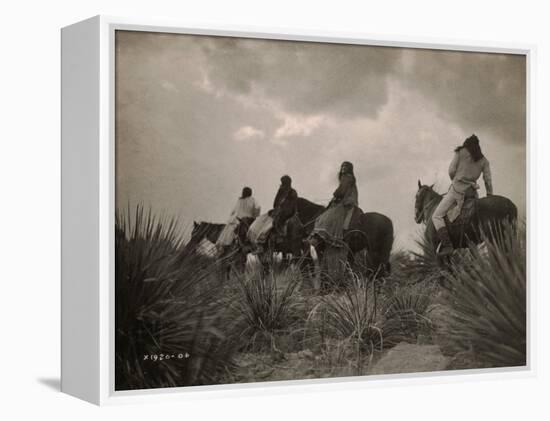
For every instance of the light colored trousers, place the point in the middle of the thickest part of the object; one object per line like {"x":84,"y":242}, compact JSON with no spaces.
{"x":452,"y":198}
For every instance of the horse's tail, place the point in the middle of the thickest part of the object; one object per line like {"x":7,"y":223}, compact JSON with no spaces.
{"x":513,"y":214}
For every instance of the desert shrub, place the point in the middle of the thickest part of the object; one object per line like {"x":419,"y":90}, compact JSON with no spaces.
{"x":266,"y":303}
{"x":488,"y":299}
{"x":167,"y":320}
{"x":420,"y":266}
{"x":406,"y":314}
{"x":339,"y":358}
{"x":350,"y":316}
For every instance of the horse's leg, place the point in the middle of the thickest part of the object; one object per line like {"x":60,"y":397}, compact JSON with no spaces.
{"x":228,"y":262}
{"x":238,"y":262}
{"x":306,"y":265}
{"x":357,"y":253}
{"x":285,"y":259}
{"x":375,"y":257}
{"x":333,"y":258}
{"x":351,"y":260}
{"x":266,"y":259}
{"x":227,"y":274}
{"x":244,"y":261}
{"x":223,"y":266}
{"x":304,"y":261}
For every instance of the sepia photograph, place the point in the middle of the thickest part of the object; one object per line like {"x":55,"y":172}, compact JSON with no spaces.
{"x":292,"y":210}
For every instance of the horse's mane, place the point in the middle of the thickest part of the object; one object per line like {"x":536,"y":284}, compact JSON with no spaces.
{"x":308,"y":211}
{"x":430,"y":199}
{"x":431,"y":193}
{"x":202,"y":229}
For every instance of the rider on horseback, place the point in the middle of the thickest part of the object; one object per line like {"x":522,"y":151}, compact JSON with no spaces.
{"x":246,"y":208}
{"x":331,"y":224}
{"x":284,"y":207}
{"x":466,"y":167}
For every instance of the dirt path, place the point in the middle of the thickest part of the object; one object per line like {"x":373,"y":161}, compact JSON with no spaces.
{"x":410,"y":358}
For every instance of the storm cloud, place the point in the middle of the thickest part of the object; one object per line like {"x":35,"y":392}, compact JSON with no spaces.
{"x":478,"y":91}
{"x":347,"y":81}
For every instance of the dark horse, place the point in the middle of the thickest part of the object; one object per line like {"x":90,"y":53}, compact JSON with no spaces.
{"x":491,"y":211}
{"x":293,"y":243}
{"x":373,"y":234}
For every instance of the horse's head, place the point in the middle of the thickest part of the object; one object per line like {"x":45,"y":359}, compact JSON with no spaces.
{"x":205,"y":230}
{"x":421,"y":196}
{"x":198,"y":228}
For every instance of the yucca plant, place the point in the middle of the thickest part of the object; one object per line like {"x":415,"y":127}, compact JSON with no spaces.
{"x":338,"y":358}
{"x":351,"y":315}
{"x":169,"y":330}
{"x":424,"y":265}
{"x":488,"y":299}
{"x":266,"y":302}
{"x":406,"y":314}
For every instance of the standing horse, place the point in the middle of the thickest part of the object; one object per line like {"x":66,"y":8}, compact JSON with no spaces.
{"x":291,"y":242}
{"x":491,"y":212}
{"x":373,"y":235}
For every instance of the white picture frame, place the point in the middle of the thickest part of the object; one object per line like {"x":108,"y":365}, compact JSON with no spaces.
{"x":88,"y":208}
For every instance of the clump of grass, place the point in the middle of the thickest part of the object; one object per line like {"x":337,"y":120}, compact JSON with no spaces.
{"x":168,"y":326}
{"x":406,"y":314}
{"x":400,"y":259}
{"x":338,"y":358}
{"x":266,"y":302}
{"x":488,"y":299}
{"x":423,"y":265}
{"x":351,"y":316}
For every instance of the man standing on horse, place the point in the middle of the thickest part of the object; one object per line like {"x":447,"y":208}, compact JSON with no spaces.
{"x":246,"y":208}
{"x":331,"y":224}
{"x":466,"y":167}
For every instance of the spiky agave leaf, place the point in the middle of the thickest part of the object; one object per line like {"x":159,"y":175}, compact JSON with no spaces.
{"x":489,"y":299}
{"x":164,"y":304}
{"x":406,"y":314}
{"x":425,"y":264}
{"x":352,"y":314}
{"x":266,"y":301}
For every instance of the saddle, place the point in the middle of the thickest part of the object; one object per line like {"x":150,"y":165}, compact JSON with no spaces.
{"x":467,"y":213}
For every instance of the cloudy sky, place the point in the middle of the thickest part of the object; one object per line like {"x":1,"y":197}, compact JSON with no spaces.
{"x":198,"y":118}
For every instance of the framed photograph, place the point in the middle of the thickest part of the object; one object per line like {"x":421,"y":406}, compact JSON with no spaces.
{"x":245,"y":208}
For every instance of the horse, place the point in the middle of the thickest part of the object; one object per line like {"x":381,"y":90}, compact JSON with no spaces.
{"x":291,"y":244}
{"x":373,"y":235}
{"x":492,"y":211}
